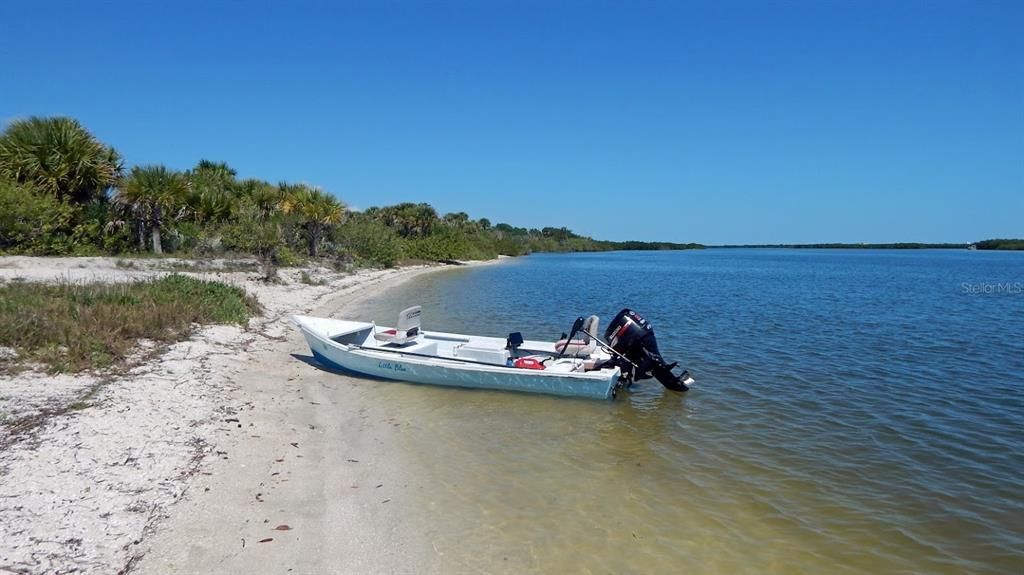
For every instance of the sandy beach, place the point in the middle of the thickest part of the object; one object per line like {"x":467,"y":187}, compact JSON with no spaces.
{"x":224,"y":453}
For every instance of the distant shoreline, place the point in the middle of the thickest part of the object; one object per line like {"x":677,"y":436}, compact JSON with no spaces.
{"x":893,"y":246}
{"x":998,"y":244}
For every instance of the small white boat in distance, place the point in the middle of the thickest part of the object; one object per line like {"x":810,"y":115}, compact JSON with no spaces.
{"x":579,"y":367}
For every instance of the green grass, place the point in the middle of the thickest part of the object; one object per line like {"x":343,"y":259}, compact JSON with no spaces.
{"x":72,"y":327}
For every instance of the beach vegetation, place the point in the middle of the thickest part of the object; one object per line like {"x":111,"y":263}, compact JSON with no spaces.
{"x":63,"y":192}
{"x":59,"y":157}
{"x":70,"y":327}
{"x":317,"y":213}
{"x":260,"y":235}
{"x":33,"y":222}
{"x":150,"y":198}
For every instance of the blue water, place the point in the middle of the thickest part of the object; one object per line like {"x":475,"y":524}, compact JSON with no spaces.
{"x":855,"y":411}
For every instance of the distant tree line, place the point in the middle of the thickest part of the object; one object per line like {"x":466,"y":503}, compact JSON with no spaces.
{"x":63,"y":192}
{"x":1000,"y":244}
{"x":983,"y":245}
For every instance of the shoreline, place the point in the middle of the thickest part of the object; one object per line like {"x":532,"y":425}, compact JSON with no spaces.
{"x":187,"y":461}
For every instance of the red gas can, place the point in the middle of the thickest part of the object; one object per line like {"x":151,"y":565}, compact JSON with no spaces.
{"x":529,"y":363}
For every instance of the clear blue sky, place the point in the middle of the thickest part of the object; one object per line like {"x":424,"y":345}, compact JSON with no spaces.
{"x":716,"y":122}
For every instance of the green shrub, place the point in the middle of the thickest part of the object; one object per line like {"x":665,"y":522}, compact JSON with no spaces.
{"x":370,"y":242}
{"x":450,"y":243}
{"x":287,"y":257}
{"x":260,"y":237}
{"x":32,"y":222}
{"x":183,"y":237}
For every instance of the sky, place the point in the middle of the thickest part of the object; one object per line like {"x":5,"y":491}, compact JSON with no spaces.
{"x":717,"y":122}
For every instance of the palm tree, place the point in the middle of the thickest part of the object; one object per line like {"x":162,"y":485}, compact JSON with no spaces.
{"x":266,"y":197}
{"x":60,"y":157}
{"x":318,"y":211}
{"x":423,"y":217}
{"x":149,"y":194}
{"x":290,"y":195}
{"x":459,"y":220}
{"x":408,"y":219}
{"x":214,"y":191}
{"x":216,"y":170}
{"x":210,"y":205}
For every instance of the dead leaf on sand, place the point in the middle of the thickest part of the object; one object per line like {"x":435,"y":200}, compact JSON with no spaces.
{"x":283,"y":527}
{"x":268,"y":539}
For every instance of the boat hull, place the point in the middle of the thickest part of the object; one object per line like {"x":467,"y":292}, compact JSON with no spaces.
{"x":398,"y":367}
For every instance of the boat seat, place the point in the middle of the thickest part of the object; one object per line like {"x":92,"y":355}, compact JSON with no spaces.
{"x":585,"y":344}
{"x":407,"y":330}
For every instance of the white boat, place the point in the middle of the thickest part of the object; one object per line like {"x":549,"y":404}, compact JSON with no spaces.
{"x":581,"y":367}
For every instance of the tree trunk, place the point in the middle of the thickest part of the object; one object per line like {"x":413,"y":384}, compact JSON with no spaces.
{"x":157,"y":247}
{"x":268,"y":265}
{"x":314,"y":240}
{"x":140,"y":234}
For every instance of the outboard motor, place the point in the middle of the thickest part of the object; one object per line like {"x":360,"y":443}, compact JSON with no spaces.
{"x":632,"y":336}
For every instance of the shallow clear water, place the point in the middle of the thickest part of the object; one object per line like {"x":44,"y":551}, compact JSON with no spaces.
{"x":855,"y":411}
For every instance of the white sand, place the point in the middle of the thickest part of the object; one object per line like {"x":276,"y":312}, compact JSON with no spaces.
{"x":228,"y":425}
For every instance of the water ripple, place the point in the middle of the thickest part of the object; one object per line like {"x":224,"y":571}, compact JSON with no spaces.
{"x":856,"y":412}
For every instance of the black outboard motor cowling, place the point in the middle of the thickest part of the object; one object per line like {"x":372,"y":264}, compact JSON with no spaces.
{"x":632,"y":336}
